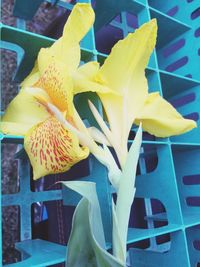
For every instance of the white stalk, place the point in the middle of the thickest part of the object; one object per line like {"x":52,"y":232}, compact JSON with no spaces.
{"x":114,"y":173}
{"x":106,"y":131}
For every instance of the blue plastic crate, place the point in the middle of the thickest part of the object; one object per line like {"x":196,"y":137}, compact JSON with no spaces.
{"x":165,"y":221}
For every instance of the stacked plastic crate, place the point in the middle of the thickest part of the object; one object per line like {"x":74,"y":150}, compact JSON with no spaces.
{"x":165,"y":225}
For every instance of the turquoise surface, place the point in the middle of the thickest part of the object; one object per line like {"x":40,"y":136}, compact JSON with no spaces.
{"x":169,"y":181}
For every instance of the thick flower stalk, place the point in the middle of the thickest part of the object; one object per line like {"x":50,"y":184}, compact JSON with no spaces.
{"x":129,"y":102}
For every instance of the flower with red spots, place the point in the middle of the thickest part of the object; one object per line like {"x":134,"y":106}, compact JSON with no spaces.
{"x":51,"y":147}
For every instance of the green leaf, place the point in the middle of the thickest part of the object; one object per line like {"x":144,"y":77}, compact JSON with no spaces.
{"x":125,"y":197}
{"x":86,"y":246}
{"x":116,"y":238}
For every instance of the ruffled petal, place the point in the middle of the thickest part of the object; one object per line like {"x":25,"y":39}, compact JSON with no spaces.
{"x":24,"y":111}
{"x":161,"y":119}
{"x":52,"y":149}
{"x":67,"y":49}
{"x":123,"y":72}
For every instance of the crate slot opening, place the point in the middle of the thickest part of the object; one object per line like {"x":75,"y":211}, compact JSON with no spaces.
{"x":172,"y":12}
{"x":197,"y":32}
{"x":193,"y":201}
{"x":107,"y":37}
{"x":159,"y":244}
{"x":150,"y":215}
{"x":191,"y":179}
{"x":183,"y":100}
{"x":148,"y":161}
{"x":196,"y":244}
{"x":195,"y":14}
{"x":173,"y":48}
{"x":177,"y":64}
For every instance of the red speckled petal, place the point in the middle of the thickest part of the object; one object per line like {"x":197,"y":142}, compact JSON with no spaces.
{"x":58,"y":85}
{"x":52,"y":149}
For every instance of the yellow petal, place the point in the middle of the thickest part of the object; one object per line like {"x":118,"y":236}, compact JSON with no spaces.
{"x":67,"y":49}
{"x":89,"y":69}
{"x":19,"y":129}
{"x":161,"y":119}
{"x":85,"y":79}
{"x":52,"y":149}
{"x":124,"y":67}
{"x":78,"y":23}
{"x":58,"y":85}
{"x":32,"y":77}
{"x":123,"y":72}
{"x":25,"y":110}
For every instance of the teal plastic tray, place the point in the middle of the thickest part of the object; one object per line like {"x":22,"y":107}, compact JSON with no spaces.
{"x":168,"y":181}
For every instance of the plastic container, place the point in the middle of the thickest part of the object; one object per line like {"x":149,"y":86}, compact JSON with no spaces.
{"x":165,"y":222}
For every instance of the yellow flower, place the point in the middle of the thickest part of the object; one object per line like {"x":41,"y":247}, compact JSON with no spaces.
{"x":47,"y":91}
{"x":128,"y":100}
